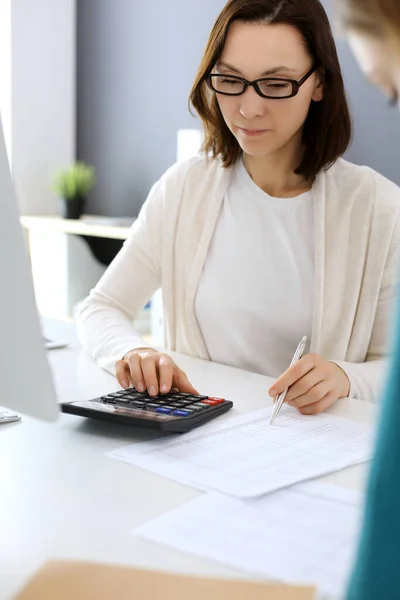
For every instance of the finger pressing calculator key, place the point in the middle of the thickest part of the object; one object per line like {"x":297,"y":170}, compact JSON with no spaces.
{"x":176,"y":412}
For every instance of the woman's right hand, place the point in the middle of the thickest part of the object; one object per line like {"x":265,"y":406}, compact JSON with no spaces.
{"x":146,"y":368}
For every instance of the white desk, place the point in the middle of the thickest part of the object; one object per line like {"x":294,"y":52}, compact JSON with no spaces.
{"x":61,"y":497}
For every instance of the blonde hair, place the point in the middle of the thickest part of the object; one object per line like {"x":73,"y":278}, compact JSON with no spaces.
{"x":375,"y":17}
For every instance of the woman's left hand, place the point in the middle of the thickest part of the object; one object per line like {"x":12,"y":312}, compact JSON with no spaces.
{"x":315,"y":384}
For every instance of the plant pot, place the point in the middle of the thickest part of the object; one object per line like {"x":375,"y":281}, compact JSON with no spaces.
{"x":72,"y":208}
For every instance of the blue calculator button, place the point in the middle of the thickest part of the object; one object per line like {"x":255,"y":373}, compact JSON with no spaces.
{"x":161,"y":409}
{"x":181,"y":413}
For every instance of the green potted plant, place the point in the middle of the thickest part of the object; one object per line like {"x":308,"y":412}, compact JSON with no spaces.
{"x":73,"y":186}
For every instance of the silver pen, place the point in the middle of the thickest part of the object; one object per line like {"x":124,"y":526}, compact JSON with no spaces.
{"x":281,"y":398}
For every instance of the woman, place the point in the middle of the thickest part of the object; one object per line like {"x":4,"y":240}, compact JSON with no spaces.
{"x":373,"y":28}
{"x":267,"y":237}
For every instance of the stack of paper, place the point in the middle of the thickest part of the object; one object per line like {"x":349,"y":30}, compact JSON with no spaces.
{"x":252,"y":519}
{"x":305,"y":534}
{"x":246,"y":457}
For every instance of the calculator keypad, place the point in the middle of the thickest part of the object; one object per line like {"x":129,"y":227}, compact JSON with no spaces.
{"x":177,"y":404}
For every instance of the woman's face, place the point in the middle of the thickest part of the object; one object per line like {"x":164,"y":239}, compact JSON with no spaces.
{"x":379,"y":61}
{"x":260,"y":125}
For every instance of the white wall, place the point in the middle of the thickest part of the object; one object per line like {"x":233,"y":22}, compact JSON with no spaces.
{"x":5,"y":70}
{"x":38,"y":105}
{"x":43,"y":113}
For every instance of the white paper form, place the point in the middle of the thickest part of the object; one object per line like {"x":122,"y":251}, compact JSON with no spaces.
{"x":246,"y":457}
{"x":304,"y":534}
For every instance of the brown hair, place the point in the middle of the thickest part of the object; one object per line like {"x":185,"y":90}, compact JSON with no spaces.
{"x":327,"y":129}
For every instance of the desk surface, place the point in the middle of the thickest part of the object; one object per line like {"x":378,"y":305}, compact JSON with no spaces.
{"x":61,"y":497}
{"x":91,"y":225}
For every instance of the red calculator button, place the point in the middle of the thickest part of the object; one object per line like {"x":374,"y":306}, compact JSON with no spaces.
{"x":213,"y":401}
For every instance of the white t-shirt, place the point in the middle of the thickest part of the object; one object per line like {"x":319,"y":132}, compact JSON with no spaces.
{"x":254,"y":302}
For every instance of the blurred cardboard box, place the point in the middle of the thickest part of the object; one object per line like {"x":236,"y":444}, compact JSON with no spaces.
{"x":64,"y":580}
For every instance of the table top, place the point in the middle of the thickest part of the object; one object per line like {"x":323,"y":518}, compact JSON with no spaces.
{"x":91,"y":225}
{"x":62,"y":497}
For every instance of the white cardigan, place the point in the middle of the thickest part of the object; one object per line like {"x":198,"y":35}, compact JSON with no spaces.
{"x":357,"y":237}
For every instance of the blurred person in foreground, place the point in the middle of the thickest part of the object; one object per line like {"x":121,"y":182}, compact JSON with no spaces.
{"x":373,"y":32}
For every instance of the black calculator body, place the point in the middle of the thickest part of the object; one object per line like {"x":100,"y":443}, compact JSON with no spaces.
{"x":176,"y":412}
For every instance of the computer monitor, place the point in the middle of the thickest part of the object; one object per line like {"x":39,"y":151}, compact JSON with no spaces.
{"x":25,"y":378}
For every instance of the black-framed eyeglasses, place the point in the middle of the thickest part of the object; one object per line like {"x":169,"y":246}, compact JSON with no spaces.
{"x":274,"y":88}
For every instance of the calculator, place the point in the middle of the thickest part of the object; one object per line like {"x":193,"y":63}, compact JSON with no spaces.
{"x":176,"y":412}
